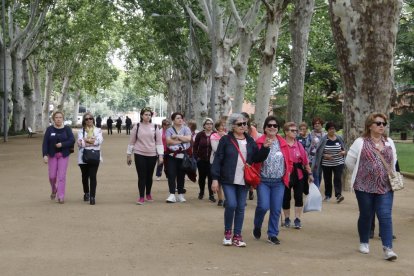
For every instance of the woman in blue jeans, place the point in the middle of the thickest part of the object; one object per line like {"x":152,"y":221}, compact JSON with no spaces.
{"x":228,"y":169}
{"x":274,"y":172}
{"x":370,"y":181}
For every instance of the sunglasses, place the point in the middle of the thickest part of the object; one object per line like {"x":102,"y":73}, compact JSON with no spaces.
{"x":380,"y":123}
{"x":88,"y":119}
{"x":241,"y":124}
{"x":293,"y":130}
{"x":272,"y":125}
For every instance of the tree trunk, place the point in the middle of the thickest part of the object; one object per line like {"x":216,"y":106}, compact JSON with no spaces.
{"x":47,"y":94}
{"x":76,"y":107}
{"x":64,"y":92}
{"x":299,"y":29}
{"x":18,"y":97}
{"x":263,"y":91}
{"x":37,"y":95}
{"x":365,"y":36}
{"x":200,"y":101}
{"x":28,"y":97}
{"x":9,"y":83}
{"x":222,"y":75}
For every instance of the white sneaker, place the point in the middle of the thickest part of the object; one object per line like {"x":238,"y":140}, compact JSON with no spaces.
{"x":180,"y":198}
{"x":158,"y":179}
{"x":364,"y":248}
{"x":389,"y":255}
{"x":171,"y":199}
{"x":227,"y":241}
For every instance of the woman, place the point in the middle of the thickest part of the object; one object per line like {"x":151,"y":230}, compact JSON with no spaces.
{"x":329,"y":158}
{"x":228,"y":169}
{"x":301,"y":170}
{"x":57,"y":142}
{"x":215,"y":139}
{"x":89,"y":137}
{"x":202,"y":153}
{"x":165,"y":124}
{"x":118,"y":124}
{"x":178,"y":139}
{"x":274,"y":172}
{"x":146,"y":144}
{"x":303,"y":136}
{"x":370,"y":181}
{"x":314,"y":139}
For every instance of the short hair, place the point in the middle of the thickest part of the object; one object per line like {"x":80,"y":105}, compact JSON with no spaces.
{"x":175,"y":114}
{"x":192,"y":125}
{"x":370,"y":120}
{"x":84,"y":116}
{"x":207,"y":120}
{"x":287,"y":126}
{"x":317,"y":119}
{"x":57,"y":112}
{"x":219,"y":123}
{"x":330,"y":125}
{"x":268,"y":119}
{"x":145,"y":109}
{"x":165,"y":122}
{"x":233,"y":119}
{"x":303,"y":124}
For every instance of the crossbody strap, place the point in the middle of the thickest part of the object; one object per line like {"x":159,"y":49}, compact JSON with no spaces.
{"x":241,"y":155}
{"x":388,"y":168}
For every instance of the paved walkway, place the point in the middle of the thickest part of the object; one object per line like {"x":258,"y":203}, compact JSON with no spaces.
{"x":117,"y":237}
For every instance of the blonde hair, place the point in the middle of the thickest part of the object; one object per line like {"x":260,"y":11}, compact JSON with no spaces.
{"x":370,"y":120}
{"x":58,"y":112}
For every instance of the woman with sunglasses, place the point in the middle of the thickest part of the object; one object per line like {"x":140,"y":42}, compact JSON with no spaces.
{"x":89,"y":137}
{"x":274,"y":172}
{"x":146,"y":145}
{"x":299,"y":175}
{"x":178,"y":138}
{"x":228,"y":169}
{"x":57,"y":141}
{"x":330,"y":158}
{"x":371,"y":183}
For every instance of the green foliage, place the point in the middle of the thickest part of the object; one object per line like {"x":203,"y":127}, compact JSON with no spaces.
{"x":402,"y":122}
{"x":405,"y":153}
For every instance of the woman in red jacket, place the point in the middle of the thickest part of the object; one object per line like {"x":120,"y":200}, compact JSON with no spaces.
{"x":274,"y":172}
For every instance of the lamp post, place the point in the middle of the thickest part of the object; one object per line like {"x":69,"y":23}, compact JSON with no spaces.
{"x":6,"y":96}
{"x":190,"y":87}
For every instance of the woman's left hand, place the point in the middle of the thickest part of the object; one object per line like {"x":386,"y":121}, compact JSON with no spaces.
{"x":310,"y":178}
{"x":267,"y":143}
{"x":160,"y":160}
{"x":59,"y":145}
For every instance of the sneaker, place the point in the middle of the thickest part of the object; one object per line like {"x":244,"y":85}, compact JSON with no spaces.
{"x":257,"y":233}
{"x":220,"y":202}
{"x":327,"y":198}
{"x":86,"y":197}
{"x":238,"y":241}
{"x":297,"y":223}
{"x":158,"y":178}
{"x":181,"y":198}
{"x":140,"y":201}
{"x":171,"y":199}
{"x":287,"y":223}
{"x":200,"y":196}
{"x":364,"y":248}
{"x":339,"y":198}
{"x":227,"y":238}
{"x":149,"y":198}
{"x":389,"y":255}
{"x":273,"y":240}
{"x":212,"y":199}
{"x":251,"y":195}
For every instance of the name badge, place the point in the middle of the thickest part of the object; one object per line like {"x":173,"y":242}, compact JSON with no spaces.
{"x":278,"y":153}
{"x":53,"y":134}
{"x":337,"y":144}
{"x":387,"y":144}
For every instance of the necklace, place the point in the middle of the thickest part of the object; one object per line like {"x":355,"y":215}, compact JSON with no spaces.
{"x":376,"y":141}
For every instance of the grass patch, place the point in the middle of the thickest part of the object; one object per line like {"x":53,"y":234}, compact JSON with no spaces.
{"x":405,"y":153}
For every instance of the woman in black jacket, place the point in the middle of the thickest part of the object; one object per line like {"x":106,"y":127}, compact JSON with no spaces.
{"x":228,"y":169}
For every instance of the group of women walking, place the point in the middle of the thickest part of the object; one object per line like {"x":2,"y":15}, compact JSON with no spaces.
{"x":222,"y":154}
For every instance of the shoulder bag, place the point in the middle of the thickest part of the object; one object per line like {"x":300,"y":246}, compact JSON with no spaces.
{"x":396,"y":179}
{"x":91,"y":156}
{"x":251,"y":175}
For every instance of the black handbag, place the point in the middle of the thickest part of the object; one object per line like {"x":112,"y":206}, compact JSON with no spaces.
{"x":91,"y":156}
{"x":189,"y":164}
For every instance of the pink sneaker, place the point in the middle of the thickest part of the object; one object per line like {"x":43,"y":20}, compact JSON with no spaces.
{"x":238,"y":241}
{"x":140,"y":201}
{"x":149,"y":198}
{"x":227,"y":238}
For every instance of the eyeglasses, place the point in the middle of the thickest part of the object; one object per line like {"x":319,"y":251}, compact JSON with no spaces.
{"x":88,"y":119}
{"x":381,"y":123}
{"x":208,"y":123}
{"x":241,"y":124}
{"x":272,"y":125}
{"x":293,"y":130}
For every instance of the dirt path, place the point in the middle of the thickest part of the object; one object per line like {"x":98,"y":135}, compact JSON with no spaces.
{"x":117,"y":237}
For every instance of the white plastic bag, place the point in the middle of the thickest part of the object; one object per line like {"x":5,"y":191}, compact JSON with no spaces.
{"x":314,"y":199}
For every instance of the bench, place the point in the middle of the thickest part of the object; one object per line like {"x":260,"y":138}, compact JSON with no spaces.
{"x":30,"y":132}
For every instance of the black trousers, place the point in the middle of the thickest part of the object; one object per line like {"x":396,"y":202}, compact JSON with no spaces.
{"x":119,"y":129}
{"x":204,"y":172}
{"x":298,"y":186}
{"x":128,"y":130}
{"x":89,"y":178}
{"x":176,"y":176}
{"x":110,"y":130}
{"x":145,"y":166}
{"x":327,"y":178}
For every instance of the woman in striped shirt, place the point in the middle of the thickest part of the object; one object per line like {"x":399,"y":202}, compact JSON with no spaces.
{"x":330,"y":159}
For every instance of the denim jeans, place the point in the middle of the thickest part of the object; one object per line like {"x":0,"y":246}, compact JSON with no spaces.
{"x":369,"y":204}
{"x":317,"y":177}
{"x":269,"y":196}
{"x":235,"y":205}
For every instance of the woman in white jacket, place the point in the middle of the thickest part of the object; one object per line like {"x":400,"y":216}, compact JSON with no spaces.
{"x":371,"y":183}
{"x":89,"y":137}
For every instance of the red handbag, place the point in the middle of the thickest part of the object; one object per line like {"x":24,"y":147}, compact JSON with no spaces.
{"x":251,"y":175}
